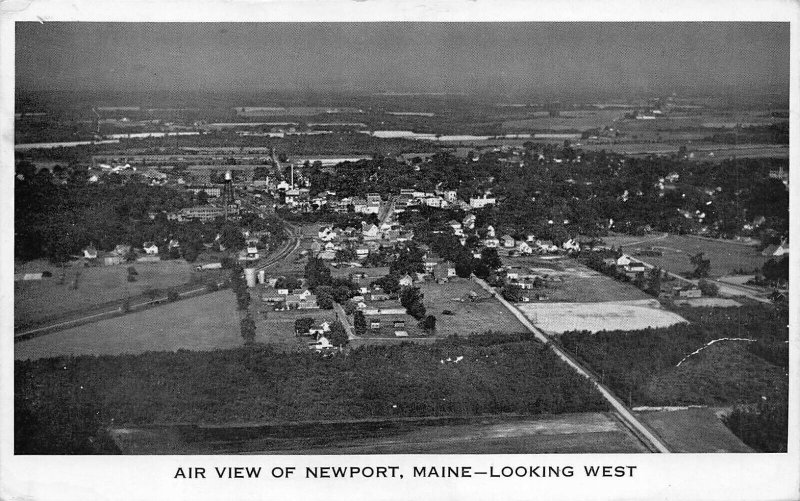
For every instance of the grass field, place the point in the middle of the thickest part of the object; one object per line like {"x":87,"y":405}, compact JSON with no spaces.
{"x":277,"y":327}
{"x":725,"y":257}
{"x":574,"y":282}
{"x":201,"y":323}
{"x":40,"y":300}
{"x":722,"y":374}
{"x":481,"y":315}
{"x":556,"y":318}
{"x":693,"y":430}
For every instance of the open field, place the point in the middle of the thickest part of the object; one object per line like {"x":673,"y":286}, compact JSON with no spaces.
{"x":693,"y":430}
{"x":570,"y":433}
{"x":277,"y":327}
{"x":200,"y":323}
{"x":483,"y":314}
{"x":723,"y":373}
{"x":726,"y":258}
{"x":556,"y":318}
{"x":568,"y":280}
{"x":39,"y":300}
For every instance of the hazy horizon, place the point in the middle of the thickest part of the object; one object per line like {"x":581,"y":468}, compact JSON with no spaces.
{"x":511,"y":59}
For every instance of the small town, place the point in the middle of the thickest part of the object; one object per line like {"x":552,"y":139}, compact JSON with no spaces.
{"x":386,"y":272}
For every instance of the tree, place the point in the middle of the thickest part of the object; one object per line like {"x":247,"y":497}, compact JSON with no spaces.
{"x":491,"y":259}
{"x":173,"y":295}
{"x":231,"y":237}
{"x":248,"y":327}
{"x":512,"y":293}
{"x":302,"y":325}
{"x":429,"y":324}
{"x":190,"y":254}
{"x":289,"y":283}
{"x":324,"y":299}
{"x":776,"y":271}
{"x":702,"y":265}
{"x":359,"y":323}
{"x":654,"y":286}
{"x":389,"y":283}
{"x":202,"y":197}
{"x":317,"y":273}
{"x":709,"y":289}
{"x":337,"y":336}
{"x":350,"y":308}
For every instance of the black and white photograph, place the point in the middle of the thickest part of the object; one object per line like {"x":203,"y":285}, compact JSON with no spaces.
{"x":340,"y":240}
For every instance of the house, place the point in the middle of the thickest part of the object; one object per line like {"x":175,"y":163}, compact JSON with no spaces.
{"x":90,"y":252}
{"x":491,"y":242}
{"x":456,"y":226}
{"x":624,"y":260}
{"x":469,"y":221}
{"x":571,"y":245}
{"x":327,"y":255}
{"x":362,"y":252}
{"x":121,"y":250}
{"x":319,"y":330}
{"x":776,"y":250}
{"x":301,"y":302}
{"x":508,"y":241}
{"x":524,"y":248}
{"x":369,"y":232}
{"x":272,"y":296}
{"x":490,"y":231}
{"x":173,"y":244}
{"x":479,"y":203}
{"x":610,"y":261}
{"x":112,"y":260}
{"x":322,"y":343}
{"x":444,"y":272}
{"x":150,"y":248}
{"x":689,"y":291}
{"x":406,"y":281}
{"x":376,"y":296}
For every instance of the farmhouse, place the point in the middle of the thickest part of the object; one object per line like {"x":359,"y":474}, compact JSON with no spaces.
{"x":90,"y":252}
{"x":150,"y":248}
{"x":320,"y":344}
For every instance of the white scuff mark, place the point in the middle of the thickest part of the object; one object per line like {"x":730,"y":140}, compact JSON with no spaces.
{"x":712,"y":342}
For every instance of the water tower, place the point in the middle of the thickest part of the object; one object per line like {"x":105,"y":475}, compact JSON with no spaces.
{"x":227,"y":192}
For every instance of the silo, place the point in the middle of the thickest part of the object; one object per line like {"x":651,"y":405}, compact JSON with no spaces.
{"x":250,"y":276}
{"x":262,"y":276}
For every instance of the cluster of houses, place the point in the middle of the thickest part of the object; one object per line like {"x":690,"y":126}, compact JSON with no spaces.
{"x":528,"y":246}
{"x":147,"y":253}
{"x":369,"y":238}
{"x":285,"y":299}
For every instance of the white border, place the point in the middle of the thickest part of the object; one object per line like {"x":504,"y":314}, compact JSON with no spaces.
{"x":677,"y":476}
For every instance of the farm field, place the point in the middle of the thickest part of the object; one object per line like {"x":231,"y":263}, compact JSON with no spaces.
{"x":569,"y":281}
{"x":277,"y":327}
{"x":726,"y":258}
{"x":40,"y":300}
{"x":557,"y":318}
{"x":478,"y":316}
{"x":723,"y":373}
{"x":200,"y":323}
{"x":693,"y":430}
{"x":570,"y":433}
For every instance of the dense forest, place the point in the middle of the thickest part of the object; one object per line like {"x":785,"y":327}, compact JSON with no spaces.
{"x":63,"y":404}
{"x":640,"y":366}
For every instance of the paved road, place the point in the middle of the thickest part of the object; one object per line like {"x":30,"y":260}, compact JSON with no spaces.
{"x":625,"y":414}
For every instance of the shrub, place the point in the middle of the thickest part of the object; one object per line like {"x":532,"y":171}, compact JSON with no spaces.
{"x":173,"y":295}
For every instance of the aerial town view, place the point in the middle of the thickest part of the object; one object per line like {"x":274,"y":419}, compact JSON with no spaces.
{"x":410,"y":238}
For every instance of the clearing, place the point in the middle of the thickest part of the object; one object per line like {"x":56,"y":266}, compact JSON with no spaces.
{"x":200,"y":323}
{"x":557,"y":318}
{"x":568,"y":281}
{"x":41,"y":300}
{"x":726,"y":257}
{"x":480,"y":315}
{"x":693,"y":430}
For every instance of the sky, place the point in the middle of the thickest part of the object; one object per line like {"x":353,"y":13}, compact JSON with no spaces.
{"x":493,"y":58}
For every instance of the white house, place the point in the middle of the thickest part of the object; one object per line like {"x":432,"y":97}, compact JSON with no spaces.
{"x":150,"y":248}
{"x":508,"y":241}
{"x":490,"y":231}
{"x":469,"y":221}
{"x":571,"y":245}
{"x":320,"y":344}
{"x":524,"y":248}
{"x":90,"y":252}
{"x":406,"y":281}
{"x":479,"y":203}
{"x":491,"y":242}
